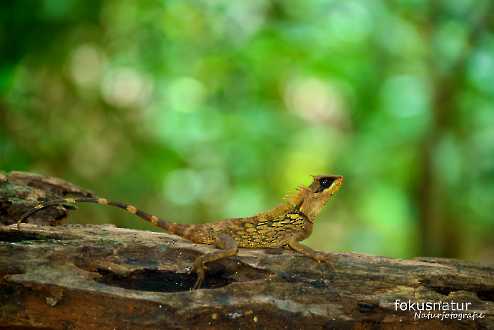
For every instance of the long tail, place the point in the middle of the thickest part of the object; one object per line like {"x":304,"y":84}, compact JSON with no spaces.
{"x":172,"y":228}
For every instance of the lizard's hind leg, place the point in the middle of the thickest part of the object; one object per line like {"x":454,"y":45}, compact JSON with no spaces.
{"x":229,"y":248}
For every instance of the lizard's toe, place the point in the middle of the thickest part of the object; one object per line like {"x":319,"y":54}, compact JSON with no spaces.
{"x":200,"y":279}
{"x":322,"y":258}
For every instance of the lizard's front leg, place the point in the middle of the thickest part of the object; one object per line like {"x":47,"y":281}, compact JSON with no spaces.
{"x":307,"y":251}
{"x":229,"y":248}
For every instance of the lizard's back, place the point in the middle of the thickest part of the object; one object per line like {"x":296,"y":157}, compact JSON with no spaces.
{"x":254,"y":232}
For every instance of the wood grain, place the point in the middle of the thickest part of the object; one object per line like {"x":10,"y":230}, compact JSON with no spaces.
{"x":103,"y":277}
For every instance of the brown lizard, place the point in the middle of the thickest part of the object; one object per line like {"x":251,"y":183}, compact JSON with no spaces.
{"x":282,"y":227}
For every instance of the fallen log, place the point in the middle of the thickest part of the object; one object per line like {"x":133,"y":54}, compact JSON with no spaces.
{"x":103,"y":277}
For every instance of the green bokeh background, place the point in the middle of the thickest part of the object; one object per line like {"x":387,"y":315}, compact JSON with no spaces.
{"x":201,"y":110}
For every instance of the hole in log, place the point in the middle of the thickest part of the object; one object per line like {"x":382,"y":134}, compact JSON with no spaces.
{"x":487,"y":295}
{"x":443,"y":290}
{"x":365,"y":307}
{"x":162,"y":281}
{"x":20,"y":236}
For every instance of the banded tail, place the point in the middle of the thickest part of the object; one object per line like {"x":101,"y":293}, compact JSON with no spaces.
{"x":172,"y":228}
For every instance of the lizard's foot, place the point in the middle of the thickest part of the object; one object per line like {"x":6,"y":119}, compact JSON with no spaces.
{"x":315,"y":255}
{"x":199,"y":281}
{"x":200,"y":269}
{"x":228,"y":248}
{"x":321,"y":257}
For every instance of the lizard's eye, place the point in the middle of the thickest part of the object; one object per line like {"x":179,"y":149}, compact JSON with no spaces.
{"x":325,"y":183}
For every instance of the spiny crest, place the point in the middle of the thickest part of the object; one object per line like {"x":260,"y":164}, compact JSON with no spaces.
{"x":297,"y":196}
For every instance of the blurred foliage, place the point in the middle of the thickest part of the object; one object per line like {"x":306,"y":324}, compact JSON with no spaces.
{"x":200,"y":110}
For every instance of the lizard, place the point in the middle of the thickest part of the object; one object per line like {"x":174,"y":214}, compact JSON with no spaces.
{"x":284,"y":226}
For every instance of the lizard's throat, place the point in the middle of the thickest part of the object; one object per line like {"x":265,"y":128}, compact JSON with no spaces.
{"x":309,"y":203}
{"x":311,"y":206}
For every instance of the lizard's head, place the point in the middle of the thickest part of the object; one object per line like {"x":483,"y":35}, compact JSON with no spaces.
{"x":318,"y":193}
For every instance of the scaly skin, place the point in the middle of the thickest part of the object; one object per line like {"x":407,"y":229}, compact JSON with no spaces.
{"x":284,"y":226}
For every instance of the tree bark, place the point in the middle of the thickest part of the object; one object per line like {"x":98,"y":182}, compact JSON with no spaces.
{"x":103,"y":277}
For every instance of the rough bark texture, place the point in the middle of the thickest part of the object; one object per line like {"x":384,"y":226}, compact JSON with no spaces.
{"x":102,"y":277}
{"x":20,"y":191}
